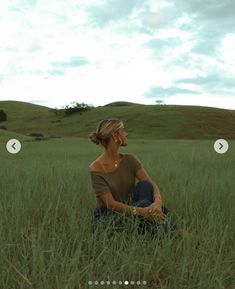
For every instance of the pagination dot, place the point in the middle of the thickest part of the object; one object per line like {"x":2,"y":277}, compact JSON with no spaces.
{"x":115,"y":282}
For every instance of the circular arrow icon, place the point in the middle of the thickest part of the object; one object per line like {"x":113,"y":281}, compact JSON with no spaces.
{"x":221,"y":146}
{"x":13,"y":146}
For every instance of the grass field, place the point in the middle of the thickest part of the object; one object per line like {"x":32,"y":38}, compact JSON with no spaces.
{"x":47,"y":204}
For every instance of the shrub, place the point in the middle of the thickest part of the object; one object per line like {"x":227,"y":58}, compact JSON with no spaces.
{"x":69,"y":109}
{"x":40,"y":138}
{"x":3,"y":115}
{"x":36,"y":134}
{"x":55,"y":121}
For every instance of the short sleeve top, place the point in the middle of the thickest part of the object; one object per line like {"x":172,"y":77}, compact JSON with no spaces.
{"x":119,"y":182}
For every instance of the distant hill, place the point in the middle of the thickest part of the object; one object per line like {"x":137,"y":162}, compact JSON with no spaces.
{"x":24,"y":106}
{"x":141,"y":121}
{"x":121,"y":103}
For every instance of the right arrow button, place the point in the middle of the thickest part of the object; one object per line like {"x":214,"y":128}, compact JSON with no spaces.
{"x":221,"y":146}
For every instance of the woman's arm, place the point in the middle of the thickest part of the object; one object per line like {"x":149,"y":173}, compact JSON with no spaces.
{"x":157,"y":196}
{"x":125,"y":209}
{"x":119,"y":207}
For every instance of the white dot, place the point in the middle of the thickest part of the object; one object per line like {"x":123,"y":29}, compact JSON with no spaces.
{"x":132,"y":282}
{"x":126,"y":282}
{"x":101,"y":282}
{"x":144,"y":282}
{"x":108,"y":282}
{"x":120,"y":282}
{"x":90,"y":282}
{"x":138,"y":282}
{"x":96,"y":282}
{"x":114,"y":282}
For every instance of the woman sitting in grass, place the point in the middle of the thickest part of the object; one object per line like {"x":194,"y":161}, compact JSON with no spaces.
{"x":113,"y":178}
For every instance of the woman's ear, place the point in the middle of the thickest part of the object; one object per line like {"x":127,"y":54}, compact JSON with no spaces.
{"x":120,"y":140}
{"x":114,"y":136}
{"x":117,"y":137}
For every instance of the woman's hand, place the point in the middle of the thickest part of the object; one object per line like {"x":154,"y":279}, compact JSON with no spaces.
{"x":154,"y":213}
{"x":155,"y":207}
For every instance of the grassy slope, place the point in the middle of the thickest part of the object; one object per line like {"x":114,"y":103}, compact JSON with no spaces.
{"x":141,"y":121}
{"x":6,"y":135}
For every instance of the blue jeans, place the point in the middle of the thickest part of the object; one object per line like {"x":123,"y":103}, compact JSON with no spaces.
{"x":141,"y":196}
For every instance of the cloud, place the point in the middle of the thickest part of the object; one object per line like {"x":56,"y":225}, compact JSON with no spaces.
{"x":169,"y":91}
{"x":210,"y":22}
{"x":2,"y":78}
{"x":59,"y":67}
{"x":213,"y":83}
{"x":112,"y":10}
{"x":212,"y":79}
{"x":34,"y":47}
{"x":208,"y":9}
{"x":55,"y":72}
{"x":72,"y":62}
{"x":161,"y":14}
{"x":208,"y":43}
{"x":160,"y":46}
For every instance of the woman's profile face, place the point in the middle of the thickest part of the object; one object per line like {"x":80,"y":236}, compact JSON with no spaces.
{"x":123,"y":136}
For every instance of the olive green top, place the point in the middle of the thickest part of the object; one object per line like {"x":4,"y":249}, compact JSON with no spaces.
{"x":119,"y":182}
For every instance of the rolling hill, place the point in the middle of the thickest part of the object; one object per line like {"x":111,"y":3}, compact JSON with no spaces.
{"x":141,"y":121}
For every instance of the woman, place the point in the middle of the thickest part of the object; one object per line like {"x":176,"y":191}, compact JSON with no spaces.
{"x":113,"y":180}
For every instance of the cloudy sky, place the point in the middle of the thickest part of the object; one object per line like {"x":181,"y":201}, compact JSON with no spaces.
{"x":54,"y":52}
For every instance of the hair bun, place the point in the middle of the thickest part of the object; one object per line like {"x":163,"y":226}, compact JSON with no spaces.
{"x":94,"y":138}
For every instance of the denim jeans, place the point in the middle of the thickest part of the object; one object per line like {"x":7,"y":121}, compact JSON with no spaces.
{"x":141,"y":196}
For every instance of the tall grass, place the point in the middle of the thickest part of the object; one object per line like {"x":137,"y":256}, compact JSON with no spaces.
{"x":46,"y":211}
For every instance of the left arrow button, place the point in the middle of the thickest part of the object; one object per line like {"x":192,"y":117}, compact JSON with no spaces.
{"x":13,"y":146}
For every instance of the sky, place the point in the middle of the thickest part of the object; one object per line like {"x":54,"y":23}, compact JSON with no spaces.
{"x":55,"y":52}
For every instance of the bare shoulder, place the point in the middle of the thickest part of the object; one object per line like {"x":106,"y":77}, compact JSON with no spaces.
{"x":94,"y":166}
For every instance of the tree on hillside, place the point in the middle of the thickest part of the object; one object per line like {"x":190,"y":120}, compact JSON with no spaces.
{"x":3,"y":115}
{"x":73,"y":107}
{"x":159,"y":101}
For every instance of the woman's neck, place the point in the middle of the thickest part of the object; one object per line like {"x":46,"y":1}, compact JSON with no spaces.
{"x":111,"y":155}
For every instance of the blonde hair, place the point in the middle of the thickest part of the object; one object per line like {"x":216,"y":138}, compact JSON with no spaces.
{"x":104,"y":131}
